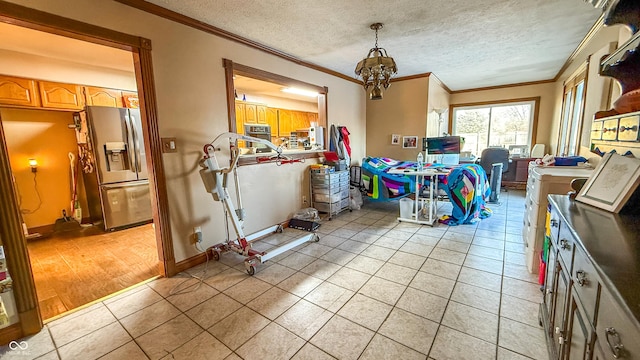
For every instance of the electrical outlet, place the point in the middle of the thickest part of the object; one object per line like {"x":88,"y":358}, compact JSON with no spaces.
{"x":197,"y":234}
{"x":304,"y":199}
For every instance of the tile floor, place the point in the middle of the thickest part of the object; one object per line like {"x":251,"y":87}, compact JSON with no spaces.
{"x":371,"y":288}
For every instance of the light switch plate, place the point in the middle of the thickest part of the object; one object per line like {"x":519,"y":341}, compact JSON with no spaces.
{"x":169,"y":145}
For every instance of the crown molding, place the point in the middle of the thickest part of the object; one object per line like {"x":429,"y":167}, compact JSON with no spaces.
{"x":196,"y":24}
{"x":503,"y":86}
{"x":587,"y":38}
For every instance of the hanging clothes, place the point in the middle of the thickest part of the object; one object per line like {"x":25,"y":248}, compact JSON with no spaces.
{"x":344,"y":136}
{"x":334,"y":142}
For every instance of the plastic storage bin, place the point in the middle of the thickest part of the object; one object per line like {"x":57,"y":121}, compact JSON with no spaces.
{"x":406,"y":208}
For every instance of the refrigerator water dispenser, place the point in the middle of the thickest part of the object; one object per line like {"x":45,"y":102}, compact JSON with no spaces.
{"x":116,"y":156}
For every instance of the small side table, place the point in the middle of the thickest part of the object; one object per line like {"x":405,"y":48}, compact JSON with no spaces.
{"x":431,"y":202}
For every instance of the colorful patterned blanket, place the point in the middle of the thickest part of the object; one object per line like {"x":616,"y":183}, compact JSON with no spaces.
{"x":382,"y":186}
{"x":467,"y":190}
{"x":466,"y":186}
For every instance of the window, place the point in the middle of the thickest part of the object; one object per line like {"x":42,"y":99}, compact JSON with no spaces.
{"x":508,"y":124}
{"x":572,"y":109}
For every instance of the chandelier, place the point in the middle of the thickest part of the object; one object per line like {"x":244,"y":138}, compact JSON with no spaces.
{"x":376,"y":69}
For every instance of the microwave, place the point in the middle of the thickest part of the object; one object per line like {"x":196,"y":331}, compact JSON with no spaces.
{"x":260,"y":132}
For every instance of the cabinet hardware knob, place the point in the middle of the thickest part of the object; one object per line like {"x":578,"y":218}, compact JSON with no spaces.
{"x":632,"y":128}
{"x":617,"y":349}
{"x":581,"y":278}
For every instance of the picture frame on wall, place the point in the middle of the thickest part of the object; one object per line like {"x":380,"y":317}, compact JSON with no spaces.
{"x":612,"y":183}
{"x":409,"y":142}
{"x":395,"y":139}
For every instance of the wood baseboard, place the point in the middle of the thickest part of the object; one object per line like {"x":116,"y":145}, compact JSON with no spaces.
{"x":10,"y":333}
{"x":202,"y":257}
{"x":190,"y":262}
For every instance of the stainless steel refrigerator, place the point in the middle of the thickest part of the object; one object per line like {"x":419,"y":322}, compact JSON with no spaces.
{"x":118,"y":185}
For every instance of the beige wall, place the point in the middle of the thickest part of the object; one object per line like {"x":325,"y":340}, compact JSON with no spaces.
{"x":545,"y":91}
{"x":190,"y":88}
{"x":439,"y":98}
{"x":403,"y":110}
{"x":45,"y":68}
{"x":281,"y":103}
{"x":600,"y":93}
{"x":44,"y":136}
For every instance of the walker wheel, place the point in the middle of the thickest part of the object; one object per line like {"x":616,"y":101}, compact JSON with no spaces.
{"x":317,"y":238}
{"x":215,"y":254}
{"x":279,"y":229}
{"x":251,"y":270}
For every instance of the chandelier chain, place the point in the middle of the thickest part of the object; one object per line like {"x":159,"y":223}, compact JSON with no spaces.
{"x":376,"y":46}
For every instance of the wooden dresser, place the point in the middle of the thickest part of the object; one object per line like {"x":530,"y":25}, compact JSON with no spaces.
{"x":591,"y":301}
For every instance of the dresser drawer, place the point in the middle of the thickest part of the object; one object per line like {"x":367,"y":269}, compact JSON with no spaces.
{"x":586,"y":283}
{"x":628,"y":129}
{"x":566,"y":246}
{"x":596,"y":130}
{"x":616,"y":333}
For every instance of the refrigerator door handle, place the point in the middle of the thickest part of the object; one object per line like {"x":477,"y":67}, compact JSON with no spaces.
{"x":130,"y":144}
{"x":136,"y":142}
{"x":125,"y":184}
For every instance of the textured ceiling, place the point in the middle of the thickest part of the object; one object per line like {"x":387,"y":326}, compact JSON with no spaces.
{"x":465,"y":43}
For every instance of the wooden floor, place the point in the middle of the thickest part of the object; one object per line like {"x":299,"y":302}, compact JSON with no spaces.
{"x":74,"y":268}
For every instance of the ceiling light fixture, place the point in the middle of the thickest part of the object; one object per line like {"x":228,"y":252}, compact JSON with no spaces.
{"x":297,"y":91}
{"x":376,"y":69}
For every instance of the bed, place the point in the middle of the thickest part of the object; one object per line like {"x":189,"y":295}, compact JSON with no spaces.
{"x":466,"y":186}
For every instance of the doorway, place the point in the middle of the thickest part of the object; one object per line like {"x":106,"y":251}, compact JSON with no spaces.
{"x":75,"y":255}
{"x":11,"y":233}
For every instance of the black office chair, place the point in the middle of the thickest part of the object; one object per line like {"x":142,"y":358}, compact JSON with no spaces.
{"x":495,"y":162}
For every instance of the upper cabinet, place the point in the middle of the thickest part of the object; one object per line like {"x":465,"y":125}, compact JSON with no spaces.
{"x":18,"y":91}
{"x":60,"y":96}
{"x":96,"y":96}
{"x":21,"y":92}
{"x":272,"y":120}
{"x":250,"y":114}
{"x":240,"y":117}
{"x":285,"y":119}
{"x":300,"y":121}
{"x":261,"y":114}
{"x":130,"y":99}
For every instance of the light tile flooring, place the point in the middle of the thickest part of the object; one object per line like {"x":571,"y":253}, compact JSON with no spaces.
{"x":371,"y":288}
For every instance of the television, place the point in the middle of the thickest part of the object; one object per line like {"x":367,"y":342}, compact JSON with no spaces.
{"x":446,"y":145}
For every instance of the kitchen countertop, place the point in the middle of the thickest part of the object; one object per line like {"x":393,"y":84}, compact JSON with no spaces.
{"x":612,"y":242}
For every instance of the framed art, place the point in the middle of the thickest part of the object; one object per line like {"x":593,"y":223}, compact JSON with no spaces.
{"x":409,"y":142}
{"x":612,"y":183}
{"x":395,"y":139}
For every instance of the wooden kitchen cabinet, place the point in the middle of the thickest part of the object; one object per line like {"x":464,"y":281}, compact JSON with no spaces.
{"x":18,"y":91}
{"x":299,"y":121}
{"x":130,"y":99}
{"x":285,"y":119}
{"x":97,"y":96}
{"x":272,"y":120}
{"x":261,"y":114}
{"x":313,"y":117}
{"x":60,"y":96}
{"x":250,"y":114}
{"x":239,"y":117}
